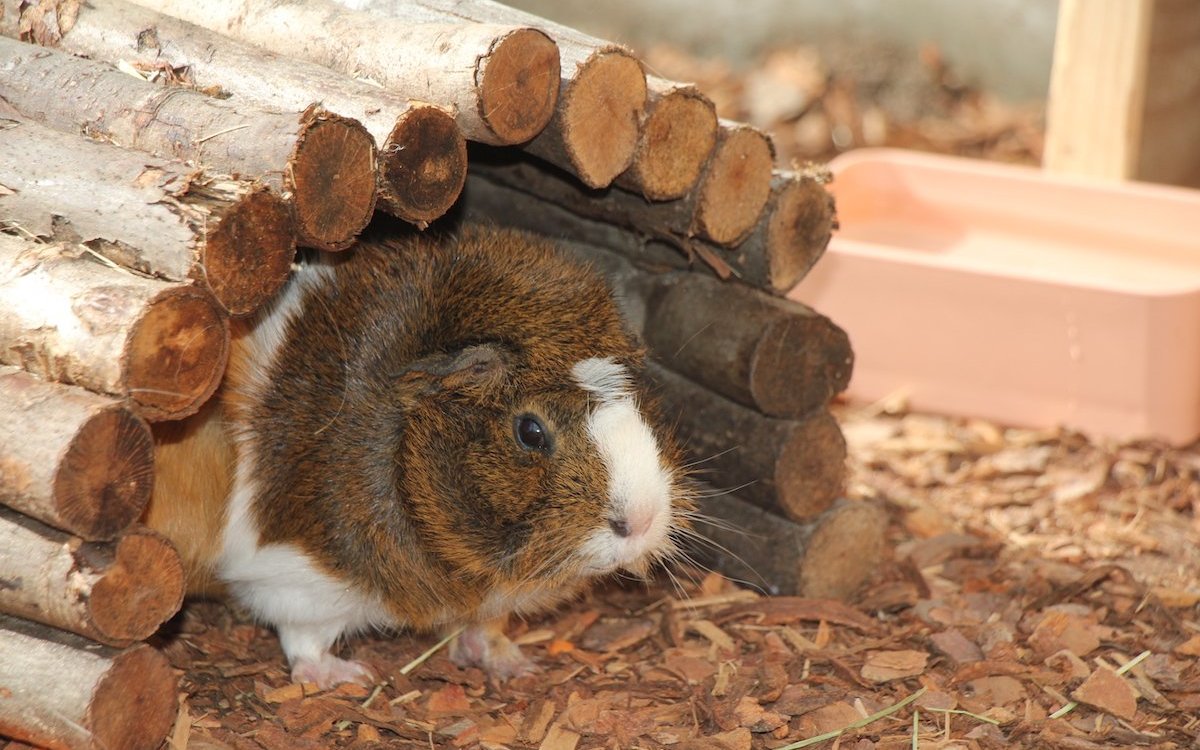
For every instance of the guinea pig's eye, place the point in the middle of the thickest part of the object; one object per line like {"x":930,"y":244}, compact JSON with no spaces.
{"x":531,"y":433}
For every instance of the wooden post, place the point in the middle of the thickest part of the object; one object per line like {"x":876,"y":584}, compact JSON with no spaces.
{"x":676,"y":139}
{"x":115,"y":592}
{"x":154,"y":216}
{"x":595,"y":128}
{"x":1098,"y":87}
{"x":502,"y":79}
{"x":60,"y":691}
{"x":827,"y":557}
{"x":421,"y":152}
{"x":324,"y":162}
{"x":67,"y":317}
{"x":792,"y":467}
{"x":77,"y":461}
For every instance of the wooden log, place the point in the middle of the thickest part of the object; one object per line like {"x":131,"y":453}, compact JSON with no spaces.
{"x":61,"y":691}
{"x":324,"y":163}
{"x":677,"y":135}
{"x":421,"y":152}
{"x":784,"y":245}
{"x":67,"y":317}
{"x":792,"y":467}
{"x":501,"y":78}
{"x":827,"y":557}
{"x":73,"y":459}
{"x":595,"y":128}
{"x":798,"y":222}
{"x":111,"y":592}
{"x":770,"y":354}
{"x":207,"y":229}
{"x":735,"y":185}
{"x":773,"y":355}
{"x":155,"y":216}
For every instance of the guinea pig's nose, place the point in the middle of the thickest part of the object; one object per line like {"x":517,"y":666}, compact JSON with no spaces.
{"x":635,"y":526}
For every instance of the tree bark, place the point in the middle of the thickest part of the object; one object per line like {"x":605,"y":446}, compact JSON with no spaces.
{"x":67,"y":317}
{"x":73,"y":459}
{"x":676,"y":138}
{"x":827,"y":557}
{"x":778,"y":253}
{"x":62,"y":692}
{"x":152,"y":215}
{"x":323,"y":163}
{"x":503,"y":79}
{"x":111,"y":592}
{"x":792,"y":467}
{"x":421,"y":152}
{"x":595,"y":128}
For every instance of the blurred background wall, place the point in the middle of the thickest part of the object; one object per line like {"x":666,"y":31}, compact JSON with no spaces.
{"x":1002,"y":45}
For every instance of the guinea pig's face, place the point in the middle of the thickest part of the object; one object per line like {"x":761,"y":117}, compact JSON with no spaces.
{"x":542,"y":484}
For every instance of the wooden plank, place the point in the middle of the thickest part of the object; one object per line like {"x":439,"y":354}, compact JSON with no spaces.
{"x":1097,"y":87}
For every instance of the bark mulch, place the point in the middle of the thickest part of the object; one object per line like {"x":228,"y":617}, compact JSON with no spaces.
{"x":1042,"y":593}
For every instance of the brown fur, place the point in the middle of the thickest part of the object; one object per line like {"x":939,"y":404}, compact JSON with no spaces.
{"x":193,"y":471}
{"x":385,"y":443}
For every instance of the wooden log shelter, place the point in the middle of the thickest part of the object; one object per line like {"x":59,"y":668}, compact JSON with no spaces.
{"x":160,"y":161}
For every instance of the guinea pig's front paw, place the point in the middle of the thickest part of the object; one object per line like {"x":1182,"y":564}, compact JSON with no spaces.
{"x":329,"y":670}
{"x":486,"y":646}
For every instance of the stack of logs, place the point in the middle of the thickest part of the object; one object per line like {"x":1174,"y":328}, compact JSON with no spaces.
{"x":161,"y":161}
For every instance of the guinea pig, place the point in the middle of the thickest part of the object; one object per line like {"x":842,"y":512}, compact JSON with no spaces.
{"x":425,"y":434}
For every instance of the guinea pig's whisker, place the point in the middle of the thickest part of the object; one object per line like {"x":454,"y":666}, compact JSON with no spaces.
{"x":693,"y":464}
{"x":723,"y":492}
{"x":704,"y":541}
{"x":703,"y":519}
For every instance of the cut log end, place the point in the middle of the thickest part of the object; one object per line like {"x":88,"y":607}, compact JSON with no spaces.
{"x":176,"y":354}
{"x":677,"y":138}
{"x":519,"y":85}
{"x":735,"y":189}
{"x":798,"y":231}
{"x":600,"y":113}
{"x":798,"y":362}
{"x":105,"y":481}
{"x":249,"y":252}
{"x":142,"y":590}
{"x":423,"y":165}
{"x":811,"y":469}
{"x":844,"y":549}
{"x":333,"y":181}
{"x":134,"y":704}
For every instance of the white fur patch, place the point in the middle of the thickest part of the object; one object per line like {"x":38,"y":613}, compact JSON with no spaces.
{"x":639,"y":488}
{"x":279,"y":583}
{"x":604,"y":378}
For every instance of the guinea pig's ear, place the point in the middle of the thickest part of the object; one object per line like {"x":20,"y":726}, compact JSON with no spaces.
{"x":471,"y":371}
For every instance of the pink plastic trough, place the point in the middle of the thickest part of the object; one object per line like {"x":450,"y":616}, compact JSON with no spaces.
{"x":1012,"y":294}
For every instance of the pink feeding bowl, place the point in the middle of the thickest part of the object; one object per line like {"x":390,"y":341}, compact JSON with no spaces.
{"x":1012,"y":294}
